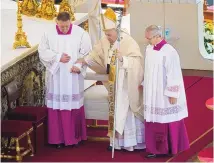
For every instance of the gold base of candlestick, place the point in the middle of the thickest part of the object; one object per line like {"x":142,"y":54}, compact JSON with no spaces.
{"x":21,"y":40}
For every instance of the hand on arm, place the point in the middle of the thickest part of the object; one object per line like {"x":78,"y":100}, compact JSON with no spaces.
{"x":65,"y":58}
{"x":140,"y":87}
{"x":75,"y":69}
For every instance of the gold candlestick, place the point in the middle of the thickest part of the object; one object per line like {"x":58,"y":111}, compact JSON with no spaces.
{"x":20,"y":37}
{"x":66,"y":7}
{"x":29,"y":7}
{"x":41,"y":9}
{"x":49,"y":10}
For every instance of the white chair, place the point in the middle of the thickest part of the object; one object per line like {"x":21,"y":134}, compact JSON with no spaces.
{"x":96,"y":102}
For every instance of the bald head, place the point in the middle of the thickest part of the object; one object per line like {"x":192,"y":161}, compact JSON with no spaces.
{"x":153,"y":34}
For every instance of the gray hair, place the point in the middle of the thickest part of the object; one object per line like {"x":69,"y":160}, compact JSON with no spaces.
{"x":154,"y":30}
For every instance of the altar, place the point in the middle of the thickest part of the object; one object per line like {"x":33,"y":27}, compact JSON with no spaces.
{"x":22,"y":65}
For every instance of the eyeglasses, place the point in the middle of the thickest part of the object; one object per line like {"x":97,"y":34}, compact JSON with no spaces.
{"x":151,"y":37}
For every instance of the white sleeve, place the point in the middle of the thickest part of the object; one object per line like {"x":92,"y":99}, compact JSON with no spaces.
{"x":47,"y":56}
{"x":85,"y":48}
{"x":85,"y":45}
{"x":173,"y":75}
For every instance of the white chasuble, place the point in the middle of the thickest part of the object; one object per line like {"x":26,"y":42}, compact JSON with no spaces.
{"x":129,"y":129}
{"x":64,"y":90}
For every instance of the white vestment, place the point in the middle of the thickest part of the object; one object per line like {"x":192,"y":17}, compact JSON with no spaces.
{"x":64,"y":90}
{"x":163,"y":79}
{"x":130,"y":132}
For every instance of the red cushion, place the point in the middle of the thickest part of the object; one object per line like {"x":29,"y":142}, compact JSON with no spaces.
{"x":209,"y":103}
{"x":14,"y":128}
{"x":28,"y":113}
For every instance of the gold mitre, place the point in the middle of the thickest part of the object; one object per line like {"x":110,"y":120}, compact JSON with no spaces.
{"x":109,"y":19}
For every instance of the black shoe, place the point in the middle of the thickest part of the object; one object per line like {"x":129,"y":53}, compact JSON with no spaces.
{"x":151,"y":156}
{"x":76,"y":145}
{"x":58,"y":146}
{"x":81,"y":142}
{"x":170,"y":155}
{"x":109,"y":148}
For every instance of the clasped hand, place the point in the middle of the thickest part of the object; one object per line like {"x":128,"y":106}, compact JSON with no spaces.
{"x":65,"y":58}
{"x":75,"y":69}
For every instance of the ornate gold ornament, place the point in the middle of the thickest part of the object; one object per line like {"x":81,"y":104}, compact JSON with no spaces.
{"x":41,"y":9}
{"x":47,"y":10}
{"x":29,"y":7}
{"x":66,"y":7}
{"x":112,"y":79}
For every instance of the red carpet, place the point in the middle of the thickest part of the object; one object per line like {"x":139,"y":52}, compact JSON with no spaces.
{"x":189,"y":81}
{"x":199,"y":127}
{"x":206,"y":155}
{"x":200,"y":121}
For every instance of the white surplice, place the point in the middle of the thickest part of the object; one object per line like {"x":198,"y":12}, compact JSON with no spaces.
{"x":64,"y":90}
{"x":163,"y":79}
